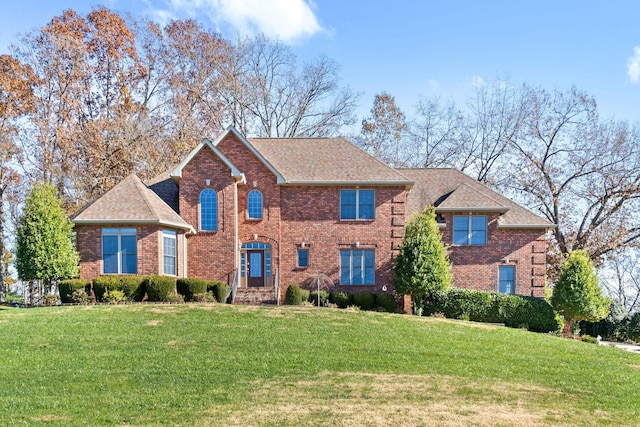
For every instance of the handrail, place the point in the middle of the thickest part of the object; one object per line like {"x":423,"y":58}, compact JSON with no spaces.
{"x":276,"y":287}
{"x":234,"y":286}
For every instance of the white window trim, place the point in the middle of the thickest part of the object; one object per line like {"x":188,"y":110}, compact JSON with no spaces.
{"x":118,"y":232}
{"x":170,"y":234}
{"x":470,"y":230}
{"x":357,"y":190}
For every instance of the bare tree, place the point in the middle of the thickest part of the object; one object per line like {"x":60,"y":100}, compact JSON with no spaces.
{"x":580,"y":174}
{"x":620,"y":277}
{"x":434,"y":134}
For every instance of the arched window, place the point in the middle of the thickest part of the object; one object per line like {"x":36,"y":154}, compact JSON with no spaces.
{"x":254,"y":205}
{"x":208,"y":210}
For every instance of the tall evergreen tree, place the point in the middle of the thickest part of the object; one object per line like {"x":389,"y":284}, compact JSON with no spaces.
{"x":577,"y":295}
{"x":422,"y":267}
{"x":45,"y":249}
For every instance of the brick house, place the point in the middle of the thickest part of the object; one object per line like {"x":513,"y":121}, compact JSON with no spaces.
{"x":263,"y":213}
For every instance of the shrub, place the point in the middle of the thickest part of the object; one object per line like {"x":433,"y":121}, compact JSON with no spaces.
{"x":191,"y":286}
{"x":220,"y":290}
{"x":340,"y":298}
{"x":175,"y":298}
{"x":589,"y":339}
{"x":532,"y":313}
{"x":160,"y":288}
{"x":324,"y":298}
{"x":386,"y":301}
{"x":50,"y":299}
{"x":80,"y":296}
{"x":133,"y":287}
{"x":293,"y":296}
{"x":205,"y":297}
{"x":304,"y":295}
{"x":364,"y":300}
{"x":114,"y":296}
{"x":513,"y":310}
{"x":69,"y":286}
{"x":354,"y":308}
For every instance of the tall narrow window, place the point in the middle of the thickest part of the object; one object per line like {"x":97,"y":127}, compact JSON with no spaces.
{"x":169,"y":252}
{"x":254,"y":205}
{"x":357,"y":267}
{"x":119,"y":251}
{"x":303,"y":258}
{"x":507,"y":279}
{"x":357,"y":204}
{"x":469,"y":230}
{"x":208,"y":210}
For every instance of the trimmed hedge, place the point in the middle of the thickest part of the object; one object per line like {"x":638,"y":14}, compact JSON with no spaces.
{"x":188,"y":287}
{"x":67,"y":287}
{"x":386,"y":301}
{"x":340,"y":298}
{"x":220,"y":290}
{"x":364,"y":300}
{"x":515,"y":311}
{"x":160,"y":288}
{"x":132,"y":286}
{"x":293,"y":296}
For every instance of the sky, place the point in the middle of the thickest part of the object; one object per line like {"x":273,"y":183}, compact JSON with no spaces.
{"x":420,"y":48}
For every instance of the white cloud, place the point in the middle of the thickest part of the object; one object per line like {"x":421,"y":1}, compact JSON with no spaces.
{"x":633,"y":66}
{"x":287,"y":20}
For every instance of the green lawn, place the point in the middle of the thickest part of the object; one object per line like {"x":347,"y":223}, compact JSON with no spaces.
{"x":213,"y":365}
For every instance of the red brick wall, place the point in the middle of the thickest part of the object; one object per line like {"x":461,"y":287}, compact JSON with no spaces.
{"x":312,"y":215}
{"x":210,"y":253}
{"x":476,"y":267}
{"x":89,"y":245}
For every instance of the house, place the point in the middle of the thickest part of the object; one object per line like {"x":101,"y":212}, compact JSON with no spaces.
{"x":264,"y":213}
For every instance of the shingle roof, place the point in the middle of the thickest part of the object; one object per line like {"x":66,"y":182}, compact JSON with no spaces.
{"x":452,"y":190}
{"x":325,"y":161}
{"x":167,"y":189}
{"x":130,"y":202}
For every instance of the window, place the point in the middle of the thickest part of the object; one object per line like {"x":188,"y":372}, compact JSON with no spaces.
{"x":357,"y":266}
{"x":169,"y":252}
{"x":254,"y":205}
{"x":469,"y":230}
{"x":507,"y":279}
{"x":119,"y":251}
{"x":357,"y":204}
{"x":208,"y":210}
{"x":303,"y":258}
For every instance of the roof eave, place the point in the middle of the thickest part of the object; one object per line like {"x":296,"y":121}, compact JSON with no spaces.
{"x":501,"y":209}
{"x":185,"y":226}
{"x":532,"y":226}
{"x":407,"y":184}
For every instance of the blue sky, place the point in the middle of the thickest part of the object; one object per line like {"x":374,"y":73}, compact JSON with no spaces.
{"x":419,"y":48}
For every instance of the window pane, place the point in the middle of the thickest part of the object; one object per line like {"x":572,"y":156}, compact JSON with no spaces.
{"x":169,"y":265}
{"x":347,"y":204}
{"x":303,"y":258}
{"x":242,"y":267}
{"x":356,"y":267}
{"x":254,"y":204}
{"x":109,"y":245}
{"x":507,"y":280}
{"x":479,"y":222}
{"x":367,"y":204}
{"x":169,"y":250}
{"x":345,"y":267}
{"x":110,"y":254}
{"x":267,"y":264}
{"x":369,"y":267}
{"x":129,"y":264}
{"x":478,"y":230}
{"x":128,"y":245}
{"x":208,"y":210}
{"x":460,"y":237}
{"x":461,"y":223}
{"x":479,"y":238}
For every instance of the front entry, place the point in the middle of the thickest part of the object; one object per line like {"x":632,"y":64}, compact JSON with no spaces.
{"x":255,"y":265}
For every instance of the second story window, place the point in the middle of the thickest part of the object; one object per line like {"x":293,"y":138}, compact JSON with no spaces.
{"x":254,"y":205}
{"x":208,"y":210}
{"x":469,"y":230}
{"x":357,"y":204}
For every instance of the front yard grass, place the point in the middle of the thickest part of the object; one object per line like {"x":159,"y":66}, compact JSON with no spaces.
{"x":225,"y":365}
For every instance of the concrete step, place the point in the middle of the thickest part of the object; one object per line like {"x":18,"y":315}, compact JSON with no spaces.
{"x":254,"y":296}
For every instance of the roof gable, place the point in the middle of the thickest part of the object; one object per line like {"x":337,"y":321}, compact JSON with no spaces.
{"x":130,"y":202}
{"x":235,"y":172}
{"x":464,"y":198}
